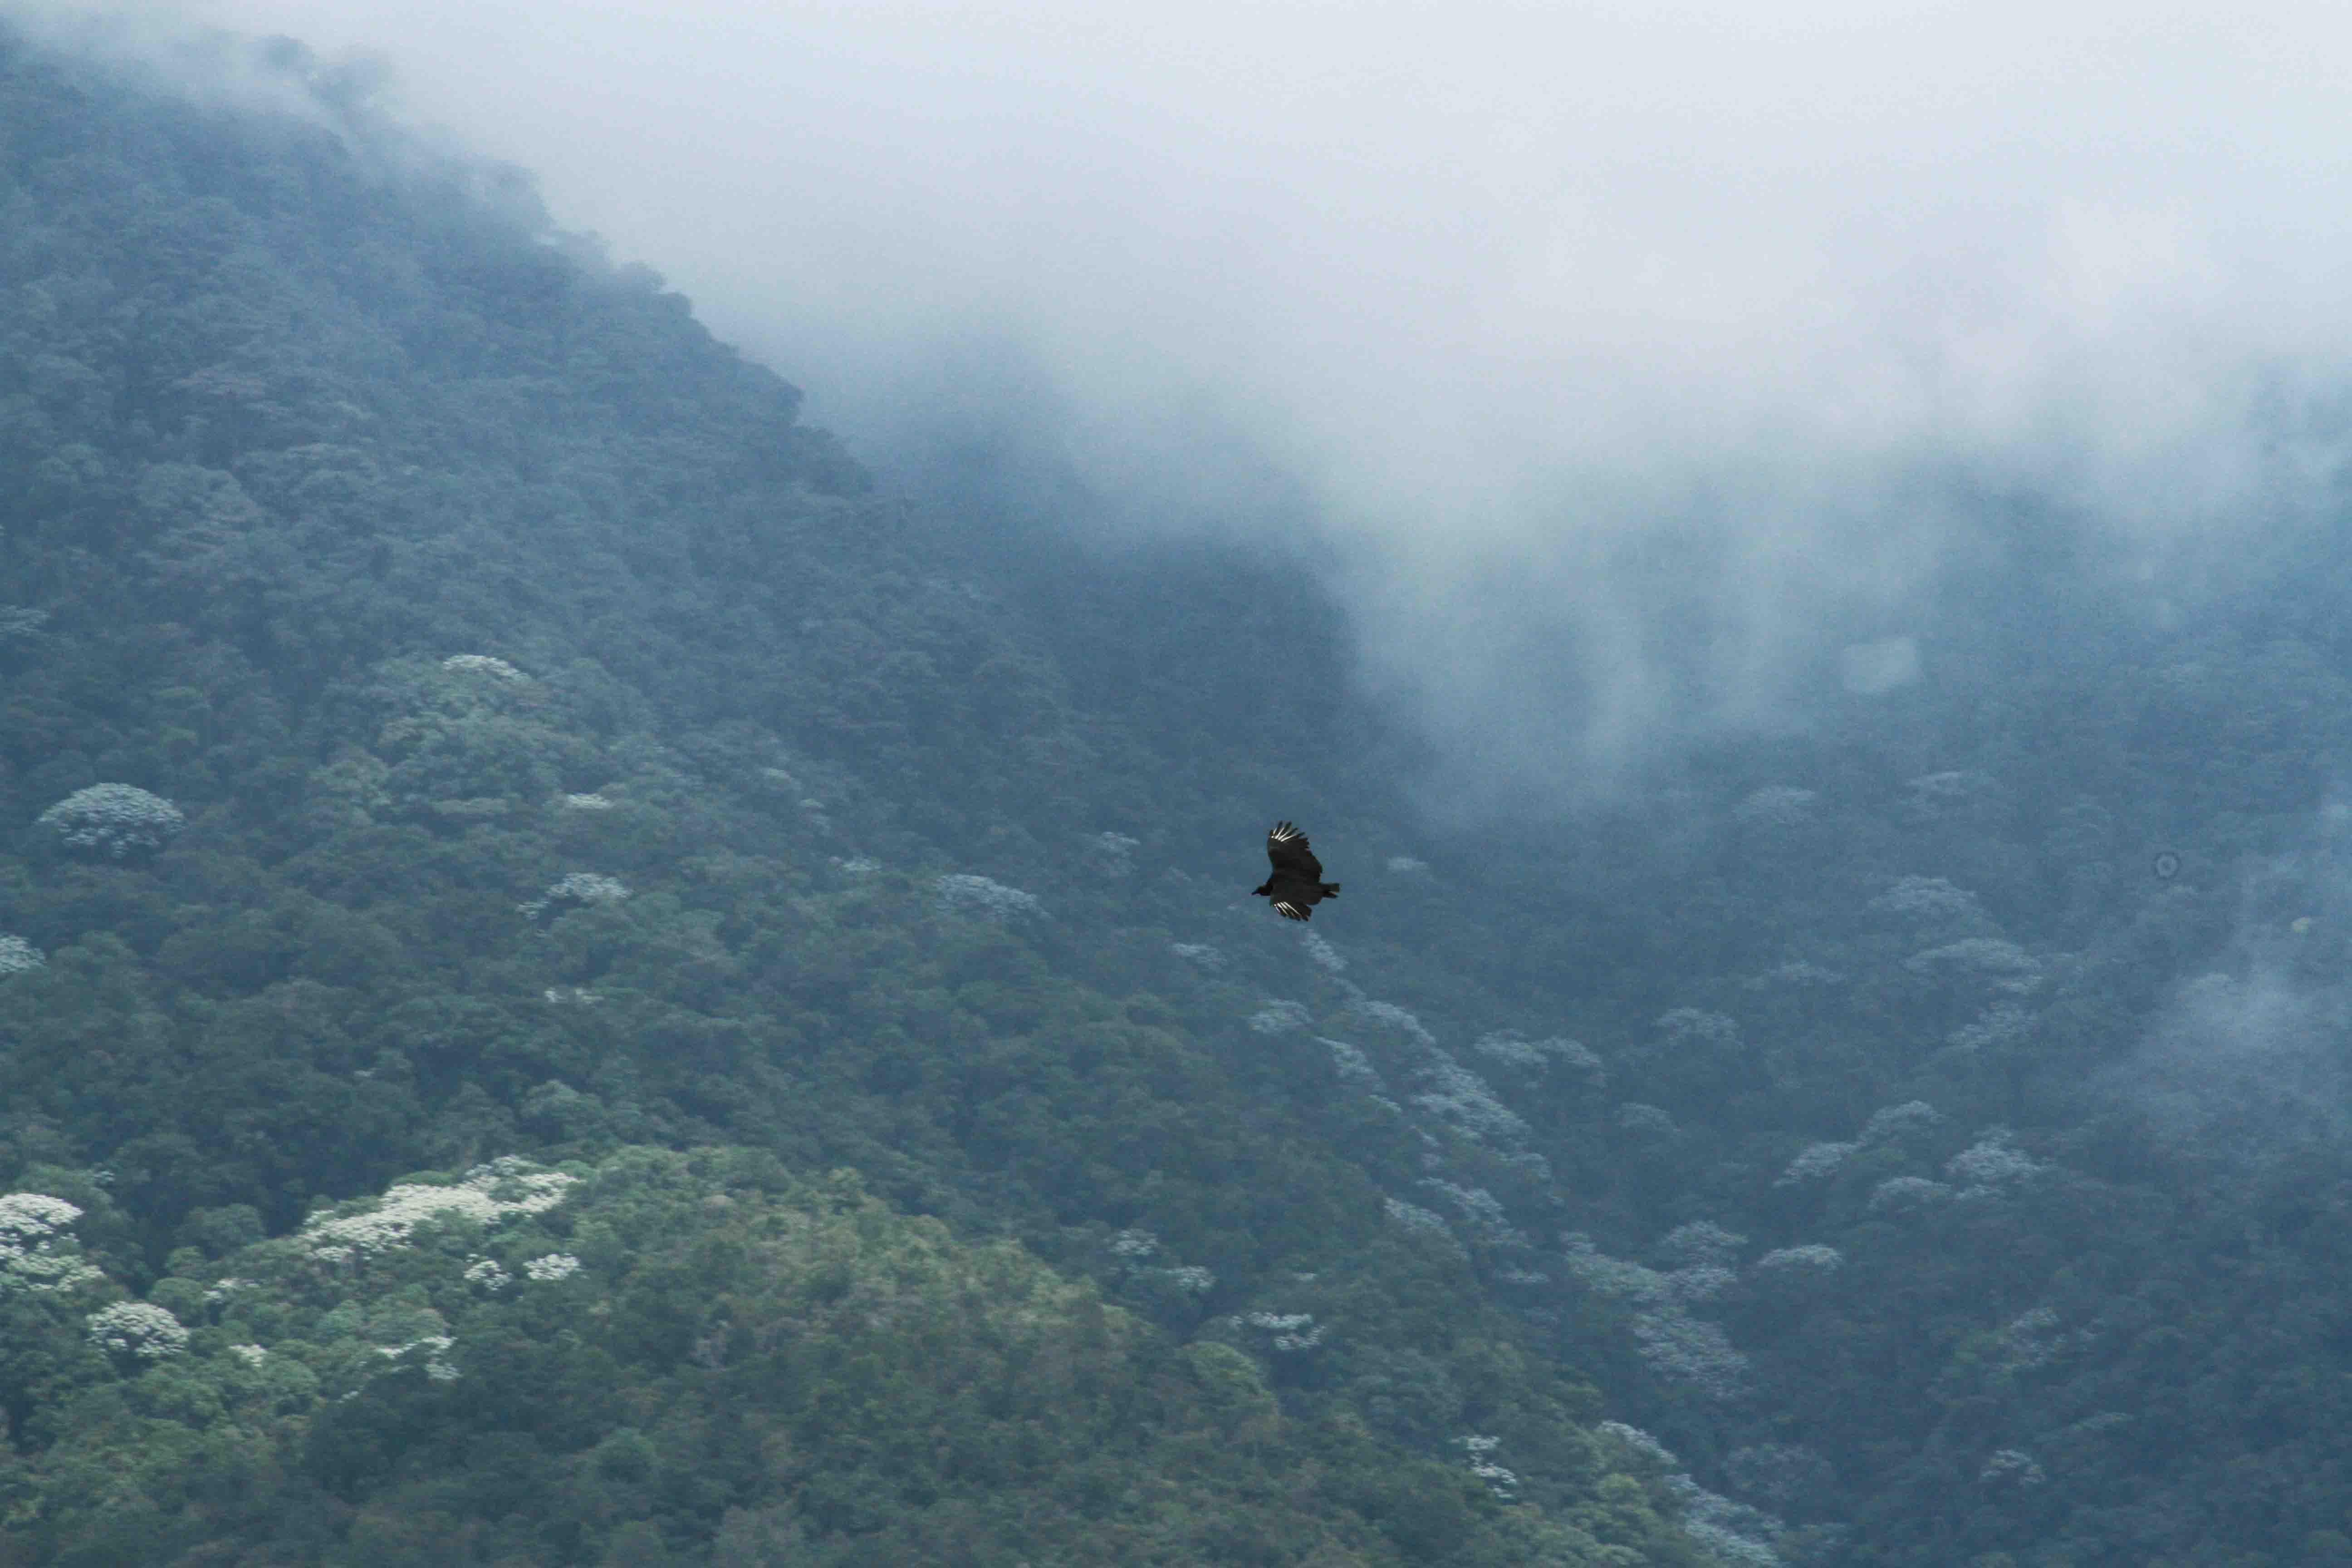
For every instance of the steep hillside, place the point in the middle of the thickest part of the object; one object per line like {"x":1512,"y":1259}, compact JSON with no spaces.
{"x":452,"y":713}
{"x":659,"y":1358}
{"x":453,"y":710}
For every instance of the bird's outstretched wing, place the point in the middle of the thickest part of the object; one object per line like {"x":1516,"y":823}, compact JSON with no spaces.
{"x":1286,"y":847}
{"x":1290,"y":912}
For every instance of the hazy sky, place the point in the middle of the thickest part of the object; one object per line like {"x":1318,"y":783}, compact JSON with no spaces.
{"x":1503,"y":287}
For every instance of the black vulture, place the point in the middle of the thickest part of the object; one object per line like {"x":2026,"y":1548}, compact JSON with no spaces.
{"x":1297,"y":884}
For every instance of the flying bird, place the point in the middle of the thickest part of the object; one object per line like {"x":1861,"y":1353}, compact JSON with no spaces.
{"x":1297,"y":884}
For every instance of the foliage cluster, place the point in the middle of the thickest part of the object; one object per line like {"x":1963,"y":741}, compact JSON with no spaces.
{"x":664,"y":1358}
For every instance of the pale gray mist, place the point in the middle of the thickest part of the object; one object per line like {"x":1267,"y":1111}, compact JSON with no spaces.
{"x":1621,"y":358}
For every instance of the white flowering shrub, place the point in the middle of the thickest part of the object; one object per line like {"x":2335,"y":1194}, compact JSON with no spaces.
{"x":35,"y":1255}
{"x":113,"y":819}
{"x":1461,"y":1098}
{"x":18,"y":956}
{"x":1700,"y":1282}
{"x":1134,"y":1248}
{"x":1701,"y":1243}
{"x":1615,"y":1278}
{"x":2031,"y":1339}
{"x":552,"y":1267}
{"x":1640,"y":1442}
{"x":2010,"y":1467}
{"x":251,"y":1356}
{"x":1355,"y":1069}
{"x":1817,"y":1161}
{"x":1901,"y":1194}
{"x":483,"y":665}
{"x":2004,"y":1026}
{"x":981,"y":897}
{"x":140,"y":1330}
{"x":586,"y":802}
{"x":1200,"y":954}
{"x":486,"y":1194}
{"x":1191,"y":1279}
{"x":1812,"y":1261}
{"x":486,"y":1273}
{"x":1735,"y":1535}
{"x":1692,"y":1026}
{"x":1406,"y":865}
{"x":1693,"y":1353}
{"x":1503,"y":1483}
{"x":1388,"y":1015}
{"x":1513,"y":1049}
{"x":1117,"y":848}
{"x":1480,"y":1208}
{"x":1284,"y":1334}
{"x":1322,"y":954}
{"x":1992,"y":1166}
{"x":579,"y":890}
{"x":28,"y":1218}
{"x":1895,"y":1121}
{"x":1677,"y":1347}
{"x":1412,"y":1216}
{"x":1279,"y":1018}
{"x":435,"y":1348}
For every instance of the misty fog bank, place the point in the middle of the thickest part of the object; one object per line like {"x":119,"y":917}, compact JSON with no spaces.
{"x":1623,"y":370}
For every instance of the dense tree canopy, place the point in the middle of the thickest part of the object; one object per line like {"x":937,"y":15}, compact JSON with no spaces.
{"x":455,"y":720}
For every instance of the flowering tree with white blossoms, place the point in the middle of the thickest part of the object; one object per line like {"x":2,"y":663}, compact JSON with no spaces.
{"x":1811,"y":1260}
{"x":1502,"y":1482}
{"x":486,"y":666}
{"x":1280,"y":1017}
{"x":487,"y":1194}
{"x":1284,"y":1333}
{"x":1992,"y":1165}
{"x":1461,"y":1098}
{"x":984,"y":899}
{"x":35,"y":1255}
{"x":116,"y":820}
{"x":577,"y":890}
{"x":140,"y":1330}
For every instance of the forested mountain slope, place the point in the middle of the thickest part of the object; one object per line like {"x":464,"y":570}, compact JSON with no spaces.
{"x":453,"y":710}
{"x":455,"y":715}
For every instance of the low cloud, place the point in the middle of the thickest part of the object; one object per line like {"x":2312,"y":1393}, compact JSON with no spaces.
{"x":2248,"y":1062}
{"x":1627,"y":366}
